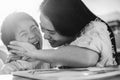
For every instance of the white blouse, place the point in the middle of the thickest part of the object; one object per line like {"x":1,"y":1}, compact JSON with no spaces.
{"x":96,"y":37}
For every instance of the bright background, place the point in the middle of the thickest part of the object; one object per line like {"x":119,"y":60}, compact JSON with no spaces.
{"x":9,"y":6}
{"x":99,"y":7}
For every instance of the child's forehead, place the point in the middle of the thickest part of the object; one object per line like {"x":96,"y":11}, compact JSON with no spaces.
{"x":13,"y":22}
{"x":23,"y":19}
{"x":26,"y":23}
{"x":16,"y":18}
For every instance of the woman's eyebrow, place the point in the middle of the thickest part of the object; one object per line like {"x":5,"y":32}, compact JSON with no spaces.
{"x":46,"y":29}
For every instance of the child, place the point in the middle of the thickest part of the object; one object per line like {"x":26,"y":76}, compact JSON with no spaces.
{"x":21,"y":27}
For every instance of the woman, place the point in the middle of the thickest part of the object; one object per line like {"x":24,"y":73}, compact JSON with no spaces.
{"x":82,"y":39}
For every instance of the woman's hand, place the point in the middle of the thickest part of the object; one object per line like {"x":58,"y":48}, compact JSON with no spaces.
{"x":22,"y":48}
{"x":12,"y":57}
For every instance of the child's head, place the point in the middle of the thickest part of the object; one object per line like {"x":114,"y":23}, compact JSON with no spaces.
{"x":21,"y":27}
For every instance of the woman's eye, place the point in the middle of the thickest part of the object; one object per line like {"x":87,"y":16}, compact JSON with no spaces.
{"x":43,"y":30}
{"x":52,"y":32}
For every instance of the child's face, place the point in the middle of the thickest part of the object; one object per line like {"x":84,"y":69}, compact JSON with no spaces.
{"x":28,"y":31}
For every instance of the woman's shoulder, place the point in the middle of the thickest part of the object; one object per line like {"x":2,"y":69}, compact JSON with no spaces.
{"x":93,"y":36}
{"x":96,"y":25}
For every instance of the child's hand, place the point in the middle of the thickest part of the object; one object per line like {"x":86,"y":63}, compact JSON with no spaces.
{"x":8,"y":68}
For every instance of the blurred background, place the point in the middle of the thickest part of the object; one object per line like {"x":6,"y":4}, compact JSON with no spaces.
{"x":108,"y":10}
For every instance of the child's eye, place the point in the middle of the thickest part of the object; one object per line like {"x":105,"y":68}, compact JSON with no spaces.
{"x":23,"y":34}
{"x":35,"y":29}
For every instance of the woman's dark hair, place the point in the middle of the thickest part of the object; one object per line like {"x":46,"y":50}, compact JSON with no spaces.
{"x":68,"y":17}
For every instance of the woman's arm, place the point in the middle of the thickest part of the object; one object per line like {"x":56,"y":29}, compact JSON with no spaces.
{"x":67,"y":56}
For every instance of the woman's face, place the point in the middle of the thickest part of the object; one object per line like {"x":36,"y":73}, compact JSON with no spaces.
{"x":28,"y":31}
{"x":55,"y":39}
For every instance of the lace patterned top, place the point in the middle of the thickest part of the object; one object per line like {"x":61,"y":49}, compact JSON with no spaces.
{"x":98,"y":37}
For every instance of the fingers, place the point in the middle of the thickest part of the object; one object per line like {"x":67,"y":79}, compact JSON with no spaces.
{"x":21,"y":48}
{"x":14,"y":47}
{"x":15,"y":42}
{"x":17,"y":50}
{"x":19,"y":53}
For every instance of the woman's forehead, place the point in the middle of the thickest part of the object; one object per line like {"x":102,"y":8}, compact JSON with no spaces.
{"x":46,"y":23}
